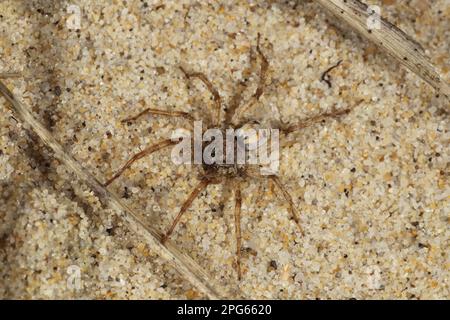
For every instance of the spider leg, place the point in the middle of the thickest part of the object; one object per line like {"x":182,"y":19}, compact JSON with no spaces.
{"x":234,"y":104}
{"x":237,"y":97}
{"x":313,"y":120}
{"x":318,"y":118}
{"x":160,"y":145}
{"x":194,"y":194}
{"x":262,"y":81}
{"x":9,"y":75}
{"x":174,"y":114}
{"x":263,"y":71}
{"x":211,"y":89}
{"x":288,"y":198}
{"x":237,"y":225}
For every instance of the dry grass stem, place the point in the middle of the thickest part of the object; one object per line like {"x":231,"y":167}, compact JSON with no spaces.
{"x":389,"y":38}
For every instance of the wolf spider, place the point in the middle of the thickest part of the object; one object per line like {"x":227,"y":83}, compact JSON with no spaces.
{"x":209,"y":174}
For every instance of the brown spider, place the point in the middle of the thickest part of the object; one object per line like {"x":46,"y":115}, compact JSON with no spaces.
{"x":224,"y":173}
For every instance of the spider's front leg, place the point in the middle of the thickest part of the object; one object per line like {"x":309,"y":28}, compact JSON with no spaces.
{"x":289,"y":200}
{"x":236,"y":99}
{"x":211,"y":89}
{"x":158,"y":146}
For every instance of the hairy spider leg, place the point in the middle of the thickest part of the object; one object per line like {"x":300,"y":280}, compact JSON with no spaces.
{"x":237,"y":227}
{"x":9,"y":75}
{"x":238,"y":92}
{"x":313,"y":120}
{"x":186,"y":205}
{"x":301,"y":125}
{"x":288,"y":198}
{"x":160,"y":145}
{"x":216,"y":96}
{"x":175,"y":114}
{"x":147,"y":151}
{"x":234,"y":103}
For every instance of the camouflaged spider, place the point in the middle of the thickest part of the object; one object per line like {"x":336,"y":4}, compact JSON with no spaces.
{"x":224,"y":173}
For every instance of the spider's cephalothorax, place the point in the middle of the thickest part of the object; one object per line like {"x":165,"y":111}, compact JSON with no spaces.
{"x":223,"y":172}
{"x":232,"y":159}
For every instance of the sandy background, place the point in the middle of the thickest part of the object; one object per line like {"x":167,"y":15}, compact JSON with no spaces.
{"x":372,"y":188}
